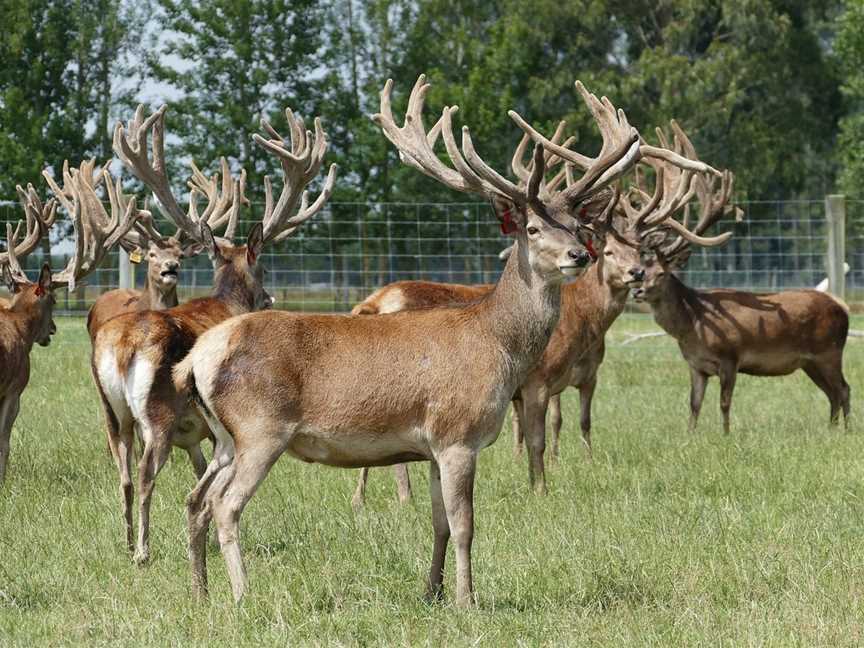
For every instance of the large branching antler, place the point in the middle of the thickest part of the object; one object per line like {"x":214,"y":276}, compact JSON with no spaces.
{"x":94,"y":231}
{"x":39,"y":217}
{"x":683,"y":186}
{"x":301,"y":158}
{"x":140,"y":144}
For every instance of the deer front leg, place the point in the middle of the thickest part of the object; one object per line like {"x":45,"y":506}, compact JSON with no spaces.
{"x":441,"y":529}
{"x":8,"y":413}
{"x":403,"y":483}
{"x":199,"y":463}
{"x":359,"y":498}
{"x":728,"y":373}
{"x":698,"y":383}
{"x":534,"y":404}
{"x":458,"y":465}
{"x":555,"y":422}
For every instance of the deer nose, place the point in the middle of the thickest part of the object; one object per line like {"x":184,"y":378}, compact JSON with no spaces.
{"x":637,"y":273}
{"x":579,"y":257}
{"x":172,"y":265}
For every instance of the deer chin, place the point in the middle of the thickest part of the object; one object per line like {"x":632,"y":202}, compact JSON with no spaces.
{"x":168,"y":278}
{"x":572,"y":270}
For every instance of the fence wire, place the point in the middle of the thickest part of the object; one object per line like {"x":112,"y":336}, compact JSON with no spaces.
{"x":350,"y":249}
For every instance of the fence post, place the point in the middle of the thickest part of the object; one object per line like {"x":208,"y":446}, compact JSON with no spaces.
{"x":835,"y":214}
{"x":125,"y":269}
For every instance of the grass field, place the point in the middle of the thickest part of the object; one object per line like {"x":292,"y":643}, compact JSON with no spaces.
{"x":665,"y":539}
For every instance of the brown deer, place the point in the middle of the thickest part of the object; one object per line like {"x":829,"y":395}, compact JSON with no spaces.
{"x":164,"y":254}
{"x":589,"y":306}
{"x":423,"y":385}
{"x":725,"y":332}
{"x":133,"y":354}
{"x":28,"y":319}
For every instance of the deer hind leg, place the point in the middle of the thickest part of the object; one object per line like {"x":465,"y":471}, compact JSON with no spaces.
{"x":516,"y":428}
{"x":818,"y":374}
{"x":248,"y":470}
{"x":727,"y":375}
{"x":120,"y":429}
{"x":458,"y":465}
{"x":586,"y":396}
{"x":156,"y":448}
{"x":9,"y":407}
{"x":403,"y":483}
{"x":199,"y":513}
{"x":556,"y":422}
{"x":441,"y":529}
{"x":698,"y":383}
{"x":196,"y":457}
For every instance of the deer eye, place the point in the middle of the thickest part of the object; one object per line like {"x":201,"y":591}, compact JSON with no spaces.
{"x":608,"y":253}
{"x":532,"y":230}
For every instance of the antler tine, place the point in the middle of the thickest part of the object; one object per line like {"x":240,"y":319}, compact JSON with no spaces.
{"x":301,"y":161}
{"x":38,"y":218}
{"x":131,"y":145}
{"x":222,"y":205}
{"x":619,"y":152}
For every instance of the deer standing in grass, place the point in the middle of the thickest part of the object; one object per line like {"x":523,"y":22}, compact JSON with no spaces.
{"x":164,"y":254}
{"x":424,"y":385}
{"x":726,"y":332}
{"x":133,"y":354}
{"x":589,"y":306}
{"x":28,"y":319}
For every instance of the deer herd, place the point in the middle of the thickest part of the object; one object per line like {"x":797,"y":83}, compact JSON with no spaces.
{"x":419,"y":371}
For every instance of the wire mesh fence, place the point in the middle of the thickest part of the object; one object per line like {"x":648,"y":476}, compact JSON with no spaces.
{"x":350,"y":249}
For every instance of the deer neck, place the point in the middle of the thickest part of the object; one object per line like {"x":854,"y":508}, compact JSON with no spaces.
{"x":674,"y":308}
{"x":598,"y":298}
{"x":232,"y":289}
{"x":156,"y":299}
{"x":522,"y":312}
{"x":26,"y":318}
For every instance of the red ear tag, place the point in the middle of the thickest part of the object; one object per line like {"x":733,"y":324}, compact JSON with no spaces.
{"x":508,"y":225}
{"x":590,"y":247}
{"x":40,"y":291}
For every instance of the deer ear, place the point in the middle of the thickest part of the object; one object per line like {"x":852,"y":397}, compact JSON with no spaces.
{"x":209,"y":242}
{"x":254,"y":243}
{"x":9,"y":280}
{"x":191,"y":249}
{"x":43,"y":285}
{"x":511,"y":218}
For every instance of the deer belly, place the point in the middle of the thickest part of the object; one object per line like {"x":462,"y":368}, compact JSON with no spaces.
{"x":357,"y":449}
{"x":770,"y":362}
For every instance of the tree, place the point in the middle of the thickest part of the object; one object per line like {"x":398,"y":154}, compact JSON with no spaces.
{"x":850,"y":54}
{"x":234,"y":62}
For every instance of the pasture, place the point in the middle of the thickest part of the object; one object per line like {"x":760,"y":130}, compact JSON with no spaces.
{"x":666,"y":538}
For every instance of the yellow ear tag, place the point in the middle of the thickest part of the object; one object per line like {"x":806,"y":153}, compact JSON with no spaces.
{"x":136,"y":256}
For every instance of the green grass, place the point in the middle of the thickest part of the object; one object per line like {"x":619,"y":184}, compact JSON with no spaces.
{"x":665,"y":539}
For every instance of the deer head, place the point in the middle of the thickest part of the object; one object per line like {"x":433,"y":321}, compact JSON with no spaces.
{"x":551,"y":222}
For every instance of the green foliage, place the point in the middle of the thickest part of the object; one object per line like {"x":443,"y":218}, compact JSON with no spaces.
{"x":234,"y":62}
{"x":850,"y":52}
{"x":65,"y":68}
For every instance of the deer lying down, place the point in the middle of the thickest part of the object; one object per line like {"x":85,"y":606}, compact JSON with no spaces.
{"x":726,"y":332}
{"x":430,"y":385}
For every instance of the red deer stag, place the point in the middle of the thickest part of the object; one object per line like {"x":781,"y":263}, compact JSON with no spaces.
{"x":725,"y":332}
{"x":589,"y":306}
{"x":164,"y":254}
{"x":133,"y":354}
{"x":424,"y":385}
{"x":29,"y":316}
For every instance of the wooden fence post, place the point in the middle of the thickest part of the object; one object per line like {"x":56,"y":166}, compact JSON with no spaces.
{"x":835,"y":214}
